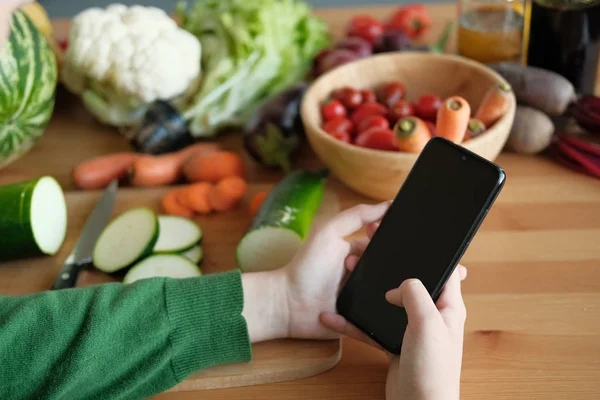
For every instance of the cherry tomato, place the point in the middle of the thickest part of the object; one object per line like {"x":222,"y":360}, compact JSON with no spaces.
{"x":366,"y":109}
{"x":400,"y":110}
{"x":350,"y":97}
{"x":431,"y":127}
{"x":338,"y":125}
{"x":341,"y":135}
{"x":411,"y":19}
{"x":333,"y":109}
{"x":390,"y":93}
{"x":427,"y":107}
{"x":368,"y":96}
{"x":366,"y":27}
{"x":377,"y":138}
{"x":371,"y":121}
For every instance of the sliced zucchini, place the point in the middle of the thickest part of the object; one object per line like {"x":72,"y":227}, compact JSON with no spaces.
{"x":162,"y":265}
{"x":195,"y":254}
{"x":177,"y":234}
{"x":128,"y":238}
{"x":33,"y":218}
{"x":282,"y":222}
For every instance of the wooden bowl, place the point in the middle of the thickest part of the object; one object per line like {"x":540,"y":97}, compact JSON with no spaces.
{"x":379,"y":174}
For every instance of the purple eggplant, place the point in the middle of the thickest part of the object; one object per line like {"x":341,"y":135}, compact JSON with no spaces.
{"x":274,"y":133}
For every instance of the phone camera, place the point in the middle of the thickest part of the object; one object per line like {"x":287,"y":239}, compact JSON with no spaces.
{"x":463,"y":158}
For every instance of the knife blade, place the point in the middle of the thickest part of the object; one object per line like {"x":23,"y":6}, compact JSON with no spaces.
{"x":82,"y":252}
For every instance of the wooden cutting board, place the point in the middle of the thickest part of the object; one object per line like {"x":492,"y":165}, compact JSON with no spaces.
{"x":273,"y":361}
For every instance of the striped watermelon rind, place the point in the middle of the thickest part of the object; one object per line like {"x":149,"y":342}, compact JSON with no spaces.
{"x":28,"y":78}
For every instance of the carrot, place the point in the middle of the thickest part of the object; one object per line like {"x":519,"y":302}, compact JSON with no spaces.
{"x":98,"y":172}
{"x":213,"y":167}
{"x":195,"y":197}
{"x":166,"y":169}
{"x":474,"y":128}
{"x":412,"y":134}
{"x":494,"y":104}
{"x":172,"y":207}
{"x":227,"y":193}
{"x":256,"y":202}
{"x":453,"y":119}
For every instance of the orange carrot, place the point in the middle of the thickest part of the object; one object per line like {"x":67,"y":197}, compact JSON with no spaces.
{"x":166,"y":169}
{"x":214,"y":167}
{"x":98,"y":172}
{"x":256,"y":202}
{"x":412,"y":134}
{"x":171,"y":206}
{"x":474,"y":128}
{"x":453,"y":119}
{"x":227,"y":193}
{"x":195,"y":197}
{"x":494,"y":104}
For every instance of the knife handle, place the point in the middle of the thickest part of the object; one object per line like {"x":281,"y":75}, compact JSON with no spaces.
{"x":68,"y":276}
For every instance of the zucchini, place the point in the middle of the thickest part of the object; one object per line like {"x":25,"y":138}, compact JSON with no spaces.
{"x":162,"y":265}
{"x":282,"y":222}
{"x":195,"y":254}
{"x":128,"y":238}
{"x":177,"y":234}
{"x":33,"y":218}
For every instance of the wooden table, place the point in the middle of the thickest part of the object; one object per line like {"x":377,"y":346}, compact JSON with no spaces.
{"x":533,"y":292}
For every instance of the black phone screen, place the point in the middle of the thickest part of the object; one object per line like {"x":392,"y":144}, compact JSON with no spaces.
{"x":422,"y":235}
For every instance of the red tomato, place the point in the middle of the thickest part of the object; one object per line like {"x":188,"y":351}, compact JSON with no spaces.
{"x":341,"y":135}
{"x":338,"y":125}
{"x":431,"y":127}
{"x":427,"y":107}
{"x":366,"y":109}
{"x":412,"y":19}
{"x":368,"y":96}
{"x":350,"y":97}
{"x":400,"y":110}
{"x":371,"y":121}
{"x":333,"y":109}
{"x":390,"y":93}
{"x":366,"y":27}
{"x":377,"y":138}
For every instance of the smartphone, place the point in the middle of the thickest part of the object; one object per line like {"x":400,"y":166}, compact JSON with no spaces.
{"x":423,"y":235}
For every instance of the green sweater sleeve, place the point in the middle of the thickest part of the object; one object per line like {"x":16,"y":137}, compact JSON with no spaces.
{"x":118,"y":341}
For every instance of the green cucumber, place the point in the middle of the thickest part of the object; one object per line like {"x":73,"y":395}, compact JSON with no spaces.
{"x":33,"y":218}
{"x":127,"y":239}
{"x":195,"y":254}
{"x":162,"y":265}
{"x":282,"y":223}
{"x":177,"y":234}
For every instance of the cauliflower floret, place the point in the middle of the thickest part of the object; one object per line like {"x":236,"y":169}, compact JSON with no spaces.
{"x":122,"y":58}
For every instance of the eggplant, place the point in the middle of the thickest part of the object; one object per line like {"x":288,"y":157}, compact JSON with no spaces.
{"x":162,"y":130}
{"x":275,"y":131}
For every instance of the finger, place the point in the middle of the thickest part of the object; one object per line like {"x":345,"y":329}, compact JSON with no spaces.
{"x":352,"y":219}
{"x":416,"y":300}
{"x":462,"y":272}
{"x":358,"y":246}
{"x":339,"y":324}
{"x":371,"y":228}
{"x":351,"y":262}
{"x":451,"y":304}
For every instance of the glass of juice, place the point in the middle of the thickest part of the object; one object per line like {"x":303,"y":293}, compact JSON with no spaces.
{"x":490,"y":30}
{"x":564,"y":37}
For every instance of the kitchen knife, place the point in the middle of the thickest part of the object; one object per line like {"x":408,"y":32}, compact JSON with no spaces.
{"x":82,"y":253}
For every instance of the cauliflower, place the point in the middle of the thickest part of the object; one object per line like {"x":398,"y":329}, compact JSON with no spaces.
{"x":121,"y":59}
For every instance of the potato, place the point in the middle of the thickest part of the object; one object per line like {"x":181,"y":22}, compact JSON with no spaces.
{"x":531,"y":132}
{"x":536,"y":87}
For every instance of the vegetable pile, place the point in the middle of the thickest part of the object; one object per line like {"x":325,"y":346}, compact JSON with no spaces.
{"x":385,"y":120}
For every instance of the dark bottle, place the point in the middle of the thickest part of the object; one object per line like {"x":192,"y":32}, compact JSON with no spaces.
{"x":564,"y":37}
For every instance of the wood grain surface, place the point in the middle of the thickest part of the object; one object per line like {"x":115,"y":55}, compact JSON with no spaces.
{"x":532,"y":295}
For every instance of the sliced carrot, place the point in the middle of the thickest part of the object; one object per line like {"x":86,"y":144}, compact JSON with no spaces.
{"x":412,"y":134}
{"x":195,"y":197}
{"x":171,"y":206}
{"x":98,"y":172}
{"x":494,"y":105}
{"x":453,"y":119}
{"x":227,"y":193}
{"x":256,"y":202}
{"x":214,"y":167}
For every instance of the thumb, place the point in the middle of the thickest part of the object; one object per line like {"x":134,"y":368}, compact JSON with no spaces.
{"x":416,"y":300}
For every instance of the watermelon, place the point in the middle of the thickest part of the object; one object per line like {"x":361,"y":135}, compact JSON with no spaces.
{"x":28,"y":77}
